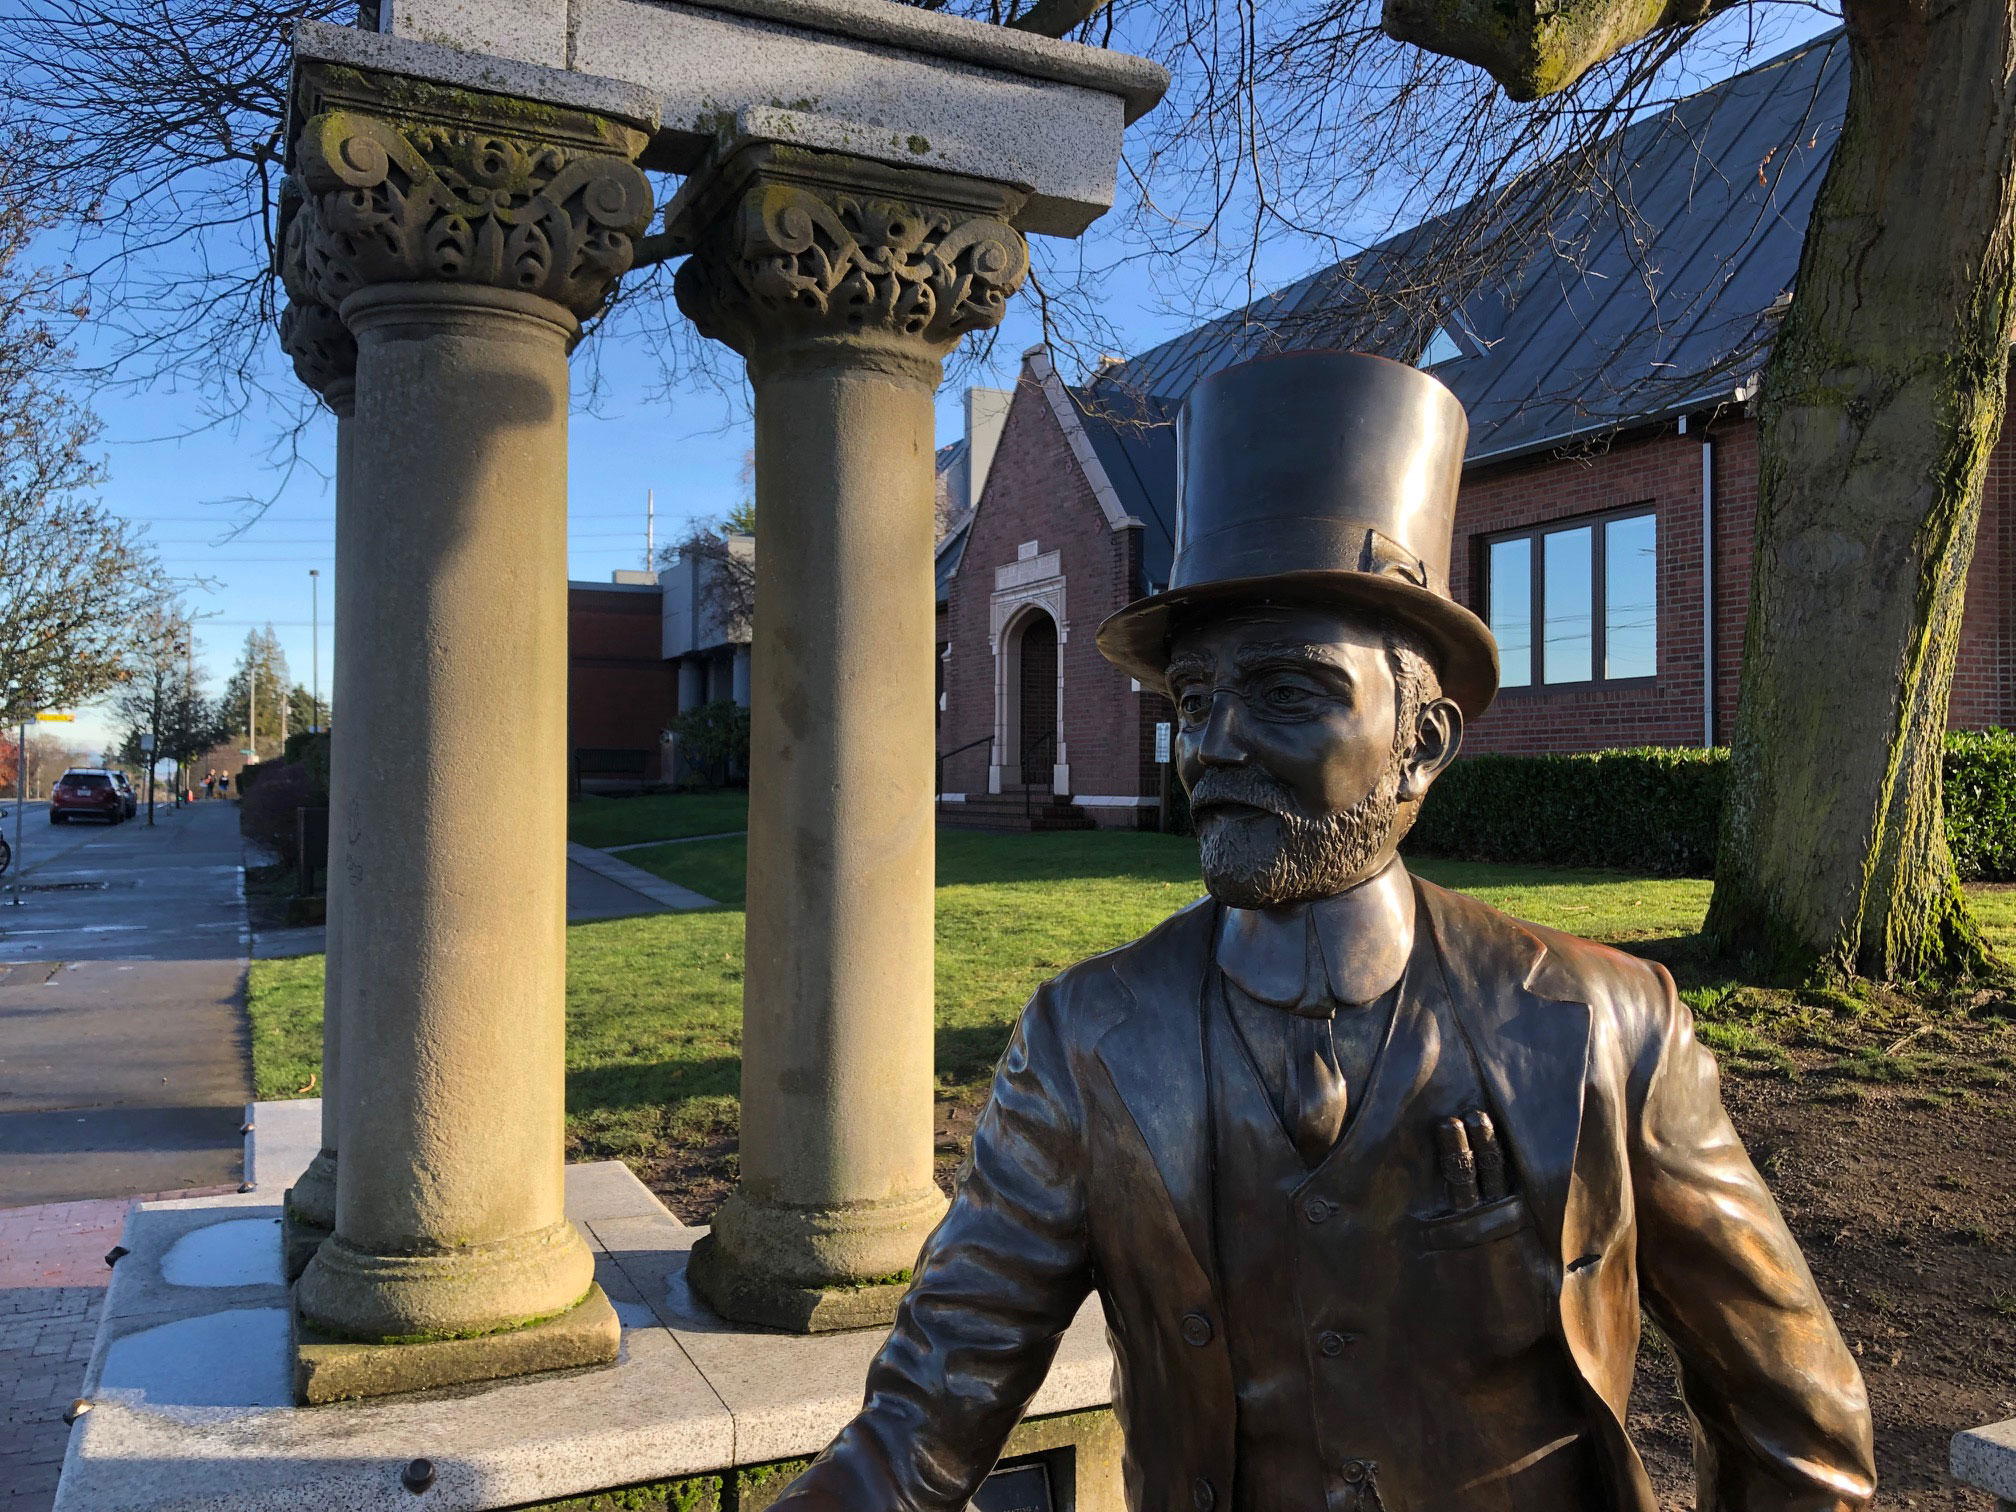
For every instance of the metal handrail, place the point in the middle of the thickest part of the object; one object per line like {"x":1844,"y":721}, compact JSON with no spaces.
{"x":944,"y":756}
{"x":1049,"y":738}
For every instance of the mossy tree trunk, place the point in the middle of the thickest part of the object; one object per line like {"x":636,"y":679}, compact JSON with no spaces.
{"x":1882,"y":398}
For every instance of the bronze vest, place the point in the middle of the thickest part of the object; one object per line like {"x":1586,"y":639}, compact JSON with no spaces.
{"x":1386,"y":1352}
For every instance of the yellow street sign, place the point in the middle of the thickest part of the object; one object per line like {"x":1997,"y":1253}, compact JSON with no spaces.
{"x":55,"y":718}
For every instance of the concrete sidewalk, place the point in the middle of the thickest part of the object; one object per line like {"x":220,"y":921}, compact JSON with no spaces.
{"x":598,"y":887}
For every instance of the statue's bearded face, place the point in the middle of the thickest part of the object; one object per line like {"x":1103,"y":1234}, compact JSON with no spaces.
{"x":1287,"y":744}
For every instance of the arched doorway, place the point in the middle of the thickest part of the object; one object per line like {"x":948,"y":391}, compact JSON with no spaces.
{"x":1035,"y":749}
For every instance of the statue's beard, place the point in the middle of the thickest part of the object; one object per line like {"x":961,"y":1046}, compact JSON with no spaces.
{"x":1286,"y":854}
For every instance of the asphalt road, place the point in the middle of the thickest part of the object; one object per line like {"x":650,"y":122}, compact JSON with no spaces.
{"x":123,"y":1061}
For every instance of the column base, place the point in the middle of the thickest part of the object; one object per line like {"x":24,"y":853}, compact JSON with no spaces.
{"x":335,"y":1370}
{"x":469,"y":1291}
{"x":299,"y":1239}
{"x":813,"y":1269}
{"x":308,"y":1213}
{"x":744,"y":1294}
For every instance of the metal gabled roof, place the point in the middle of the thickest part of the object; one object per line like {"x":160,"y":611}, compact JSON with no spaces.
{"x":1661,"y":295}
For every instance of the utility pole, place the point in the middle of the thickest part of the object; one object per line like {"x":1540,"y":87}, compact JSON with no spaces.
{"x":315,"y":650}
{"x":21,"y":802}
{"x":650,"y":528}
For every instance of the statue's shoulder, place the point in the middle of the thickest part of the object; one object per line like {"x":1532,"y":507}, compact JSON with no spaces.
{"x":1492,"y":946}
{"x":1158,"y":961}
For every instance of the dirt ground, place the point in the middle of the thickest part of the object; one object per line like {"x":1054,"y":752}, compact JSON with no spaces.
{"x":1907,"y":1213}
{"x":1903,"y":1198}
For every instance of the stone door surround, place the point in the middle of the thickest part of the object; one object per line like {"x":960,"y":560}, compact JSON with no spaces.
{"x":1033,"y":583}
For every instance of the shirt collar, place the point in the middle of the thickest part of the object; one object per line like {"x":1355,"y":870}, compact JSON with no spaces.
{"x":1348,"y":949}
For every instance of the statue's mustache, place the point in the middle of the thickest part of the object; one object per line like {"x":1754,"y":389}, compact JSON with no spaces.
{"x":1244,"y":785}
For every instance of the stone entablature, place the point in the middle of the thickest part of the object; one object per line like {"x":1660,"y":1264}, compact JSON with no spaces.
{"x":866,"y":79}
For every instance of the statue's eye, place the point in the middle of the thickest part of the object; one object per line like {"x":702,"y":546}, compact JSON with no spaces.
{"x":1195,"y":706}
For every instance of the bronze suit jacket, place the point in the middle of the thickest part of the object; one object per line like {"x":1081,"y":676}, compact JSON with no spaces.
{"x":1090,"y":1169}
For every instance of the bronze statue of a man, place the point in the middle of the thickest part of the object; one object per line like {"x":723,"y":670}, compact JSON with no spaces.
{"x":1371,"y":1179}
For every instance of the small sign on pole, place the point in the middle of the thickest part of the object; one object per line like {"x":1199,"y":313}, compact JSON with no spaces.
{"x":51,"y":716}
{"x":147,"y":741}
{"x":1162,"y":742}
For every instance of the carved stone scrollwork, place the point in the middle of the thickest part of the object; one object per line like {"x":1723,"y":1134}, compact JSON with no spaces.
{"x":792,"y":265}
{"x":321,"y":346}
{"x":427,"y":202}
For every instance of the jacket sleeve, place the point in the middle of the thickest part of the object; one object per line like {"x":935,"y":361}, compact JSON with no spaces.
{"x":1781,"y":1416}
{"x":996,"y":1284}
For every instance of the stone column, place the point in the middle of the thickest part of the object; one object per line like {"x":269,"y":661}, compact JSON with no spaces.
{"x":325,"y":359}
{"x":844,"y":283}
{"x":461,"y":237}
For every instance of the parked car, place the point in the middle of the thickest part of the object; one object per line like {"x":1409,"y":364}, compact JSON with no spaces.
{"x":126,"y":794}
{"x":86,"y":793}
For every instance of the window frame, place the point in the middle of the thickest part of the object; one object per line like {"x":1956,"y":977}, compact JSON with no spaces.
{"x":1598,"y":525}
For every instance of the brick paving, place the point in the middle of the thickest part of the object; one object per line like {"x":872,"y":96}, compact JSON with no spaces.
{"x":52,"y":1283}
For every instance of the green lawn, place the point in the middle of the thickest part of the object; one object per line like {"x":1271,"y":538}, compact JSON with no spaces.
{"x":653,"y":1003}
{"x":655,"y":816}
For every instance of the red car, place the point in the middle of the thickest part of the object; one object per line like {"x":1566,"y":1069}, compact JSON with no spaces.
{"x":82,"y":794}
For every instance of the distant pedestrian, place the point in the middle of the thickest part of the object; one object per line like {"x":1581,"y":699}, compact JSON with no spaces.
{"x":223,"y":784}
{"x":210,"y":783}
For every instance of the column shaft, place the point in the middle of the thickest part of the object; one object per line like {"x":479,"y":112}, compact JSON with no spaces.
{"x":454,"y":944}
{"x":837,"y":1015}
{"x":844,"y":283}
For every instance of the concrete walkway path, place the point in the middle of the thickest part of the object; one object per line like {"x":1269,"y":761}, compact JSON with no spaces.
{"x":123,"y":1061}
{"x":606,"y":869}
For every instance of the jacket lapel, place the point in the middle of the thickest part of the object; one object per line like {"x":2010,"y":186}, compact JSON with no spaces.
{"x":1532,"y":1050}
{"x":1154,"y":1054}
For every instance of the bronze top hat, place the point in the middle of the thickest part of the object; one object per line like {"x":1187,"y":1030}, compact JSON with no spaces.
{"x":1317,"y":478}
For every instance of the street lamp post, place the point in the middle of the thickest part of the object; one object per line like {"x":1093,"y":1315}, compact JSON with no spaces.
{"x":315,"y":649}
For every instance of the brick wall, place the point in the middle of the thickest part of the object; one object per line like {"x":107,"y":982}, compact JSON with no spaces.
{"x":1037,"y":492}
{"x":620,"y":689}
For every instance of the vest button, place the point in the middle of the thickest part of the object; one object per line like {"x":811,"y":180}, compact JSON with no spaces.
{"x":1332,"y":1343}
{"x":1316,"y":1210}
{"x":1197,"y":1331}
{"x":1203,"y":1495}
{"x":1354,"y":1470}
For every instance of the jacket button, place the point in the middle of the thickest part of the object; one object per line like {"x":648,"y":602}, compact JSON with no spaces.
{"x":1316,"y":1210}
{"x":1354,"y":1470}
{"x":1332,"y":1343}
{"x":1203,"y":1495}
{"x":1196,"y":1330}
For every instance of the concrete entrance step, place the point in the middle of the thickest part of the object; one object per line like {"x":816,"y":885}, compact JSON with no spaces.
{"x":1009,"y":812}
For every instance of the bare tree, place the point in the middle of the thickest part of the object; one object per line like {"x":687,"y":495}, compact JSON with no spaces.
{"x":72,"y":575}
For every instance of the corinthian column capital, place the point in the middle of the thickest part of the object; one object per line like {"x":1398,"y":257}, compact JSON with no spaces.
{"x":807,"y":259}
{"x":410,"y":183}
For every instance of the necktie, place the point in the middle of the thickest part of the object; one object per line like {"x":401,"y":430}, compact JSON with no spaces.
{"x":1315,"y":1098}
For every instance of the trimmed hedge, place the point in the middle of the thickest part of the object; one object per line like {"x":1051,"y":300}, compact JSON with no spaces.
{"x":1658,"y":810}
{"x":1648,"y":809}
{"x":1981,"y":804}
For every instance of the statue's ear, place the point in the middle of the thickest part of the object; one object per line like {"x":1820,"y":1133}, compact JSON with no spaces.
{"x":1438,"y":736}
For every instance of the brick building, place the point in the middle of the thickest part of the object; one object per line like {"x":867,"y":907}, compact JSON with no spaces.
{"x":1609,"y":492}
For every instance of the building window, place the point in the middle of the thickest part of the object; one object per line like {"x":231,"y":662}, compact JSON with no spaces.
{"x":1590,"y":587}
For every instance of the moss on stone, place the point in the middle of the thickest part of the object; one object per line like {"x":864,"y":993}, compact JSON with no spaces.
{"x":692,"y":1493}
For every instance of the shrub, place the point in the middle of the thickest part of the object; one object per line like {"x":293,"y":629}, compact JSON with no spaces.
{"x":1981,"y":804}
{"x":267,"y":813}
{"x":1658,"y":810}
{"x":714,"y":740}
{"x":1649,"y":809}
